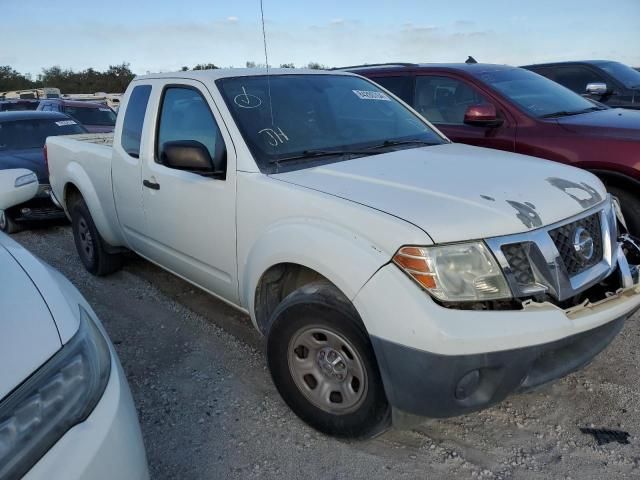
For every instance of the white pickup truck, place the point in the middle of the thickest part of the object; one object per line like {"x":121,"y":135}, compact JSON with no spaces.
{"x":391,"y":271}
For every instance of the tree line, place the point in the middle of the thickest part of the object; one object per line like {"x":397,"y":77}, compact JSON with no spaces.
{"x":113,"y":80}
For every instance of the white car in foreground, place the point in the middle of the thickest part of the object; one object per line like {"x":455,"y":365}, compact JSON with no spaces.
{"x":66,"y":411}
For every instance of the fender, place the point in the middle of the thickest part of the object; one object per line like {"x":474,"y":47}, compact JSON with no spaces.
{"x":344,"y":257}
{"x":103,"y":213}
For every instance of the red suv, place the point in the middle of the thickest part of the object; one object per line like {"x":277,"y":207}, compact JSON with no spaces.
{"x":513,"y":109}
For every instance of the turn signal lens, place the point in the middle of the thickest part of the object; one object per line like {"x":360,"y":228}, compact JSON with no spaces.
{"x":413,"y":261}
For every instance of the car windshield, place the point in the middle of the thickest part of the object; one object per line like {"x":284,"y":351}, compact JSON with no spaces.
{"x":32,"y":133}
{"x":291,"y":116}
{"x":536,"y":94}
{"x":623,"y":73}
{"x":102,"y":116}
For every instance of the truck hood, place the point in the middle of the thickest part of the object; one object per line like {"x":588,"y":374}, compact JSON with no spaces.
{"x":28,"y":334}
{"x":456,"y":192}
{"x":611,"y":123}
{"x":31,"y":159}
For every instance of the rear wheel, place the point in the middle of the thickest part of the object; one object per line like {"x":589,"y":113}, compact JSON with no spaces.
{"x":630,"y":205}
{"x":91,"y":247}
{"x":7,"y":224}
{"x":323,"y":365}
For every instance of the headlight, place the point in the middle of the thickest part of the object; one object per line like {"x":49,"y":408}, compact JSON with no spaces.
{"x":25,"y":180}
{"x":460,"y":272}
{"x":60,"y":394}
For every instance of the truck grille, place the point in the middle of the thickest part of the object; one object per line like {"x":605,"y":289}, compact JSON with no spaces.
{"x":560,"y":260}
{"x":519,"y":262}
{"x":564,"y":239}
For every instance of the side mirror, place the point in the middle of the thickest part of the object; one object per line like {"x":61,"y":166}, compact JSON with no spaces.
{"x":484,"y":115}
{"x":192,"y":156}
{"x":17,"y":186}
{"x":597,"y":88}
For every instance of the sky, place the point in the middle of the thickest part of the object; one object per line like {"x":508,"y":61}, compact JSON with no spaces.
{"x":162,"y":35}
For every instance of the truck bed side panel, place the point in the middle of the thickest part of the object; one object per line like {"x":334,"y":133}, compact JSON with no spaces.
{"x":85,"y":163}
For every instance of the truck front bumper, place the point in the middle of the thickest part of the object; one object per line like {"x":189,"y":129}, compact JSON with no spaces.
{"x":439,"y":362}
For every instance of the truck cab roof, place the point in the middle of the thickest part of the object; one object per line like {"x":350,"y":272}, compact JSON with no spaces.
{"x":215,"y":74}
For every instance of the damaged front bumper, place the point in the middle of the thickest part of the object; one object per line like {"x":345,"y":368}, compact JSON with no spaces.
{"x":439,"y":362}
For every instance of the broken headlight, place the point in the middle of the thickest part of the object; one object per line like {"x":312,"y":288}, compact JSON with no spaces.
{"x":461,"y":272}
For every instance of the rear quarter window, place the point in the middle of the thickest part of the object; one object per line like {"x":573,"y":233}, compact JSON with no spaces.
{"x":134,"y":119}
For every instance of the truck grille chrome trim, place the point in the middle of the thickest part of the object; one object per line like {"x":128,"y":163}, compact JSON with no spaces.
{"x":562,"y":259}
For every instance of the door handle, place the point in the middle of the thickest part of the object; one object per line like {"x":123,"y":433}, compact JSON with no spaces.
{"x":151,"y":185}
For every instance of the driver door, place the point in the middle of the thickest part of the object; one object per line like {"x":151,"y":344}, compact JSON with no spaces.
{"x":190,"y":217}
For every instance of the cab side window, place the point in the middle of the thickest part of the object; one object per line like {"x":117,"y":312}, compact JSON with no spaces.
{"x":401,"y":86}
{"x":444,"y":100}
{"x":185,"y":115}
{"x":134,"y":119}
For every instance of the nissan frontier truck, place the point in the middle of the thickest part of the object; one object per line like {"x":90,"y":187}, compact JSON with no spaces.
{"x":393,"y":273}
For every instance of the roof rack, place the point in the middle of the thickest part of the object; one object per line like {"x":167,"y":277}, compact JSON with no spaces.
{"x":389,"y":64}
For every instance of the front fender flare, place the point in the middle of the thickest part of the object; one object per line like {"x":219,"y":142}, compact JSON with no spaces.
{"x":344,"y":257}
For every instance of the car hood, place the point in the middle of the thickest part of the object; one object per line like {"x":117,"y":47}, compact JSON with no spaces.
{"x":456,"y":192}
{"x":612,"y":123}
{"x":31,"y":159}
{"x":28,"y":334}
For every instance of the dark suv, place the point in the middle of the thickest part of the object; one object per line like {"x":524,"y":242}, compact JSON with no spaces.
{"x":513,"y":109}
{"x":612,"y":83}
{"x":95,"y":117}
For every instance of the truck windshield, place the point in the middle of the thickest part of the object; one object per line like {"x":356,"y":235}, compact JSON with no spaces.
{"x":536,"y":94}
{"x":299,"y":116}
{"x":623,"y":73}
{"x":25,"y":134}
{"x":102,"y":116}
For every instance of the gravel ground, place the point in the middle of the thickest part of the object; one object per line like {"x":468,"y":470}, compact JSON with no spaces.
{"x":208,"y":408}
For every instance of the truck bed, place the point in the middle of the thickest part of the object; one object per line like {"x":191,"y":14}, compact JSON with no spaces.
{"x":105,"y":139}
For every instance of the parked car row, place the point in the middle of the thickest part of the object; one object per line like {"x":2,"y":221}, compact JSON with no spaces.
{"x":514,"y":109}
{"x":391,"y":271}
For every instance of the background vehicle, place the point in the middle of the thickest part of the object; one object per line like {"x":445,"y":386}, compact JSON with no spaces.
{"x":95,"y":117}
{"x":517,"y":110}
{"x":31,"y":93}
{"x":65,"y":407}
{"x":612,"y":83}
{"x":22,"y":138}
{"x":18,"y":105}
{"x":323,"y":207}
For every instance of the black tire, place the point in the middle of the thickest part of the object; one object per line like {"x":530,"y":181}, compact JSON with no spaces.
{"x":90,"y":245}
{"x":321,"y":305}
{"x":7,"y":224}
{"x":630,"y":205}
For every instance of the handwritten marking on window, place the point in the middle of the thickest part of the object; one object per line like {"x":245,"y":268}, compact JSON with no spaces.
{"x":246,"y":100}
{"x":275,"y":137}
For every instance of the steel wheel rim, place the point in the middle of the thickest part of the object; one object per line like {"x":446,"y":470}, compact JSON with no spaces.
{"x":85,"y":239}
{"x":327,"y":369}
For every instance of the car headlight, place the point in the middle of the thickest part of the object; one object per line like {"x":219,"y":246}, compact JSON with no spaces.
{"x":60,"y":394}
{"x":25,"y":180}
{"x":460,"y":272}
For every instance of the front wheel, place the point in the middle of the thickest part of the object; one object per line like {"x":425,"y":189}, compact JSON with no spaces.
{"x":630,"y":206}
{"x":323,"y":364}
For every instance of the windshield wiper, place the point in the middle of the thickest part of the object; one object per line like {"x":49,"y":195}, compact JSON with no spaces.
{"x":395,"y":143}
{"x":564,"y":113}
{"x":320,"y":153}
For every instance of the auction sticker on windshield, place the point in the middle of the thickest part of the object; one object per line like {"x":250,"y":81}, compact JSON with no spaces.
{"x":371,"y":95}
{"x":64,"y":123}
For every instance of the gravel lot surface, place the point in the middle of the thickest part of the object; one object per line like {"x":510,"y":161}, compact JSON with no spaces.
{"x":208,"y":408}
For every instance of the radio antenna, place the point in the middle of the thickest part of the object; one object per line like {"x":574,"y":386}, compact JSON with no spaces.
{"x":266,"y":61}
